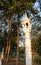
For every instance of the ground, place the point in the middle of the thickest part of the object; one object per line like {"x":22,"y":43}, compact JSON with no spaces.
{"x":14,"y":63}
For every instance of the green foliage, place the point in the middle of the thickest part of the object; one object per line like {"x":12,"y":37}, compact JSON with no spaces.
{"x":1,"y":43}
{"x":22,"y":50}
{"x":18,"y":6}
{"x":37,"y":59}
{"x":34,"y":44}
{"x":39,"y":28}
{"x":39,"y":45}
{"x":34,"y":11}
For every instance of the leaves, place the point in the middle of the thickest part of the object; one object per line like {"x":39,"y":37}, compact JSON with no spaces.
{"x":15,"y":5}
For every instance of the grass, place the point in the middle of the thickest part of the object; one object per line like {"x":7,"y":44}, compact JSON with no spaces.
{"x":37,"y":60}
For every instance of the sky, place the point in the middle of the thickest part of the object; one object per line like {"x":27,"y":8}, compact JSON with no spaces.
{"x":37,"y":7}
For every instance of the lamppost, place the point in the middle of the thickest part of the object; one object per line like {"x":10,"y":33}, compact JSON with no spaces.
{"x":26,"y":24}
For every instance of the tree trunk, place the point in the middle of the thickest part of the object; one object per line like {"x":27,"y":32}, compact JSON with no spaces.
{"x":4,"y":38}
{"x":8,"y":39}
{"x":8,"y":49}
{"x":17,"y":46}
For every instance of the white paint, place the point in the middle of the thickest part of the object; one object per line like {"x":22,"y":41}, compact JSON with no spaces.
{"x":27,"y":31}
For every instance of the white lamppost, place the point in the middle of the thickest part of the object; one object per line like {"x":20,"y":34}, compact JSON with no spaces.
{"x":26,"y":24}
